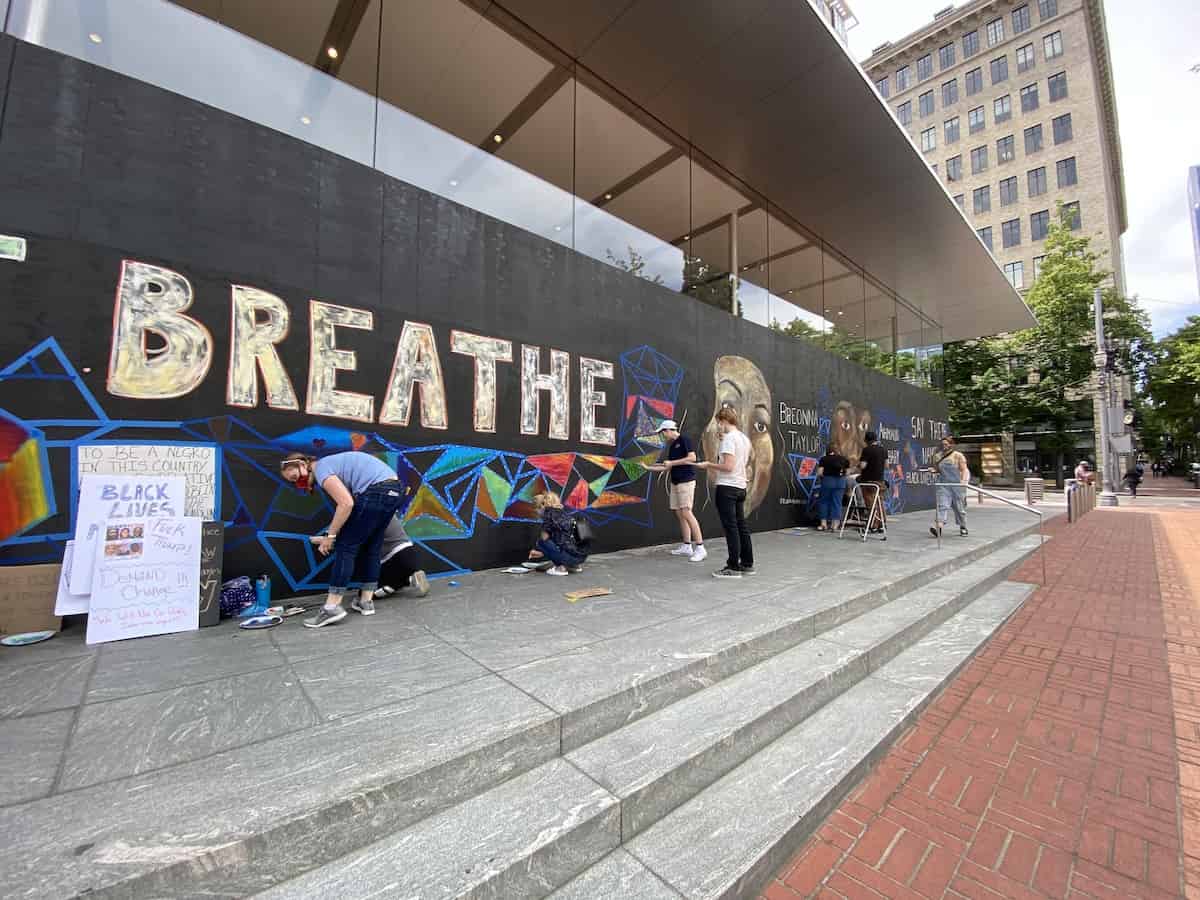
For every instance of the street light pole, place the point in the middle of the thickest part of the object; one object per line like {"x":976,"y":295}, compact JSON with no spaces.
{"x":1108,"y":496}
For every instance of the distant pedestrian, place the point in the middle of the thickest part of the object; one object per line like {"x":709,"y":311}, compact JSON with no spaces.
{"x":832,"y":469}
{"x":1133,"y":478}
{"x":1083,"y":472}
{"x":680,"y":462}
{"x":366,"y":494}
{"x":558,"y":541}
{"x":733,"y":456}
{"x":873,"y":462}
{"x":951,"y":468}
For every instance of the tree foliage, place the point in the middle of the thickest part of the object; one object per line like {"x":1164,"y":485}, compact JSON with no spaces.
{"x":1173,"y":385}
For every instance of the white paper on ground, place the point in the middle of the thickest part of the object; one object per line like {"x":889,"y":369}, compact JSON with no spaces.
{"x":66,"y":603}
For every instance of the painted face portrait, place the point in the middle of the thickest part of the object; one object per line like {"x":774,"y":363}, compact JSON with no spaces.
{"x":741,"y":387}
{"x":849,"y":431}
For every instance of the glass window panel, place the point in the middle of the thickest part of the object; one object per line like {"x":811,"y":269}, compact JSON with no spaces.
{"x":999,"y":69}
{"x":1066,"y":172}
{"x":1020,"y":19}
{"x":951,"y":129}
{"x":1033,"y":139}
{"x":950,"y":92}
{"x":1058,"y":86}
{"x":1025,"y":59}
{"x":946,"y":56}
{"x":970,"y":43}
{"x":795,"y":281}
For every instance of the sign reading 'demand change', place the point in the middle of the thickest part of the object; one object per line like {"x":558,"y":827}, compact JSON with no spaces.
{"x":121,"y":502}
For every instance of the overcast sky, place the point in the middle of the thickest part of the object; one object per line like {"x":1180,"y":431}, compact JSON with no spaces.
{"x":1154,"y":44}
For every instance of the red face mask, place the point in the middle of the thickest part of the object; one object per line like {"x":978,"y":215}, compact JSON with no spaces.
{"x":302,"y":484}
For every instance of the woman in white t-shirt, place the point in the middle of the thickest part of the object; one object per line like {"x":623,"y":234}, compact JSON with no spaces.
{"x":733,"y":458}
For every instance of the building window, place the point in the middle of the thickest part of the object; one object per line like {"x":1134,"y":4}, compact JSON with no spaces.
{"x":952,"y":130}
{"x":974,"y":81}
{"x":950,"y":92}
{"x":946,"y":57}
{"x":1052,"y":45}
{"x":954,"y":168}
{"x":981,"y":199}
{"x":975,"y":120}
{"x":1037,"y":181}
{"x":929,"y":139}
{"x":1033,"y":139}
{"x":985,"y":235}
{"x":902,"y":79}
{"x":1066,"y":172}
{"x":882,"y":87}
{"x":1015,"y":272}
{"x":958,"y":198}
{"x":1025,"y":60}
{"x":1039,"y":225}
{"x":979,"y":160}
{"x":1005,"y":149}
{"x":1037,"y":266}
{"x":995,"y":32}
{"x":1008,"y":191}
{"x":1058,"y":86}
{"x":924,"y":67}
{"x":970,"y":43}
{"x":1062,"y":129}
{"x":1020,"y":17}
{"x":1000,"y":70}
{"x":1071,"y":215}
{"x":1002,"y":108}
{"x":926,"y":103}
{"x":1010,"y":233}
{"x":904,"y":112}
{"x":1029,"y":98}
{"x":1047,"y":9}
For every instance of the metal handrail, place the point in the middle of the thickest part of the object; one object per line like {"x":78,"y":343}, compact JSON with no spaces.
{"x":1029,"y":509}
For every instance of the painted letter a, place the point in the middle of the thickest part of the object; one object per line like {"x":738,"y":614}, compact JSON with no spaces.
{"x":157,"y":352}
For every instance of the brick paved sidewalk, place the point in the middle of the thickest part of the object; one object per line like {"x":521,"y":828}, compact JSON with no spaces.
{"x":1052,"y":765}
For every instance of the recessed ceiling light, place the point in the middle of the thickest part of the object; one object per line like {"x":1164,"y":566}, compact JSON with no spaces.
{"x":558,"y":228}
{"x":305,"y":120}
{"x":497,"y":138}
{"x":608,"y":196}
{"x":453,"y":182}
{"x":87,"y":370}
{"x":687,"y":237}
{"x":332,"y":53}
{"x":95,"y":38}
{"x":841,"y":312}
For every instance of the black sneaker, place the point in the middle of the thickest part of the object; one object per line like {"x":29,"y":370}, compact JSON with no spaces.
{"x":325,"y":617}
{"x":963,"y":531}
{"x":936,"y":532}
{"x":727,"y":573}
{"x":749,"y":570}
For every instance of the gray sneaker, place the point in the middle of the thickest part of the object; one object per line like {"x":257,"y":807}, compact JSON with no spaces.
{"x":727,"y":573}
{"x":420,"y":581}
{"x":364,"y":605}
{"x":325,"y":617}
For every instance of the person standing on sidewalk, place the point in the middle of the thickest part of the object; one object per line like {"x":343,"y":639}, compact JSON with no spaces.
{"x":832,"y":469}
{"x":730,"y":466}
{"x":951,"y":469}
{"x":681,"y":456}
{"x":366,"y":494}
{"x":873,"y":461}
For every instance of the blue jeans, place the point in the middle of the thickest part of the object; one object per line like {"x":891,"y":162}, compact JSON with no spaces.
{"x":557,"y":555}
{"x":832,"y":491}
{"x":361,"y":538}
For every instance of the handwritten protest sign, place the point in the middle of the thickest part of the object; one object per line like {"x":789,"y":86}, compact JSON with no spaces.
{"x":107,"y":501}
{"x":198,"y":463}
{"x":146,"y":585}
{"x":212,"y":553}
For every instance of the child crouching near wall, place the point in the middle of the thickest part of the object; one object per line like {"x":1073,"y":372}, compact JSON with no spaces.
{"x":558,"y":541}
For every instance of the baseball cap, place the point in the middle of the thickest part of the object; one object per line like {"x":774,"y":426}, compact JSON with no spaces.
{"x":668,"y":425}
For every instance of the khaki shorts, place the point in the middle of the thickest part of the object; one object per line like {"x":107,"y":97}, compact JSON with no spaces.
{"x":682,"y":495}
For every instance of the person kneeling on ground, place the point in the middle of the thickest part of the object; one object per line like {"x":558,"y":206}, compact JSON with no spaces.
{"x":557,"y":542}
{"x":399,"y":564}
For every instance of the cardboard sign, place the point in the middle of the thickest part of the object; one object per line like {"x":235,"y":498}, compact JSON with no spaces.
{"x":27,"y":599}
{"x":212,"y":555}
{"x":199,"y":464}
{"x":145,"y":586}
{"x":66,"y":603}
{"x":107,"y":500}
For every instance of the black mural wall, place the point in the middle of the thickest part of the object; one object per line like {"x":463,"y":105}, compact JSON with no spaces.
{"x":194,"y":279}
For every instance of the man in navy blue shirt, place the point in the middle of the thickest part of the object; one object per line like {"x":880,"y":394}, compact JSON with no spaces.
{"x":680,"y":456}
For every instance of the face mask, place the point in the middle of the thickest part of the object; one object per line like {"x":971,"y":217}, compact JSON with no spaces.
{"x":301,"y":484}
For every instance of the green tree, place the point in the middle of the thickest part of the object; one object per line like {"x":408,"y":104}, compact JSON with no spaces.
{"x":635,"y":265}
{"x":1042,"y":377}
{"x":708,"y":284}
{"x":865,"y":353}
{"x":1173,"y":386}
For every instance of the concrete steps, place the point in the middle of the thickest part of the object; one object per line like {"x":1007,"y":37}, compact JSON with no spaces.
{"x":709,"y":794}
{"x":516,"y":783}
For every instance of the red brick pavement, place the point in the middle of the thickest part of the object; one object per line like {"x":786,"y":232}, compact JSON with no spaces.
{"x":1064,"y":760}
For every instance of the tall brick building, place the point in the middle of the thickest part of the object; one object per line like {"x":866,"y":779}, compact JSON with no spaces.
{"x":1012,"y":104}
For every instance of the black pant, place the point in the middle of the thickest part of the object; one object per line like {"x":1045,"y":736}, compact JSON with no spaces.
{"x":731,"y":507}
{"x":397,"y":570}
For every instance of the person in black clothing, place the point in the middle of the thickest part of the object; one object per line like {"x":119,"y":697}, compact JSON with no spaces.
{"x":872,"y":461}
{"x":1133,"y":478}
{"x":557,"y":542}
{"x":680,"y":456}
{"x":832,"y":469}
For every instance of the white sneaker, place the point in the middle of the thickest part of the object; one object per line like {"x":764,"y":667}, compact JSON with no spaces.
{"x":682,"y":550}
{"x":557,"y":570}
{"x":699,"y":554}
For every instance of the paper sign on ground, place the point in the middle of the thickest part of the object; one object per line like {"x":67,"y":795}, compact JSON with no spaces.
{"x":26,"y":594}
{"x":66,"y":603}
{"x":212,"y":552}
{"x":145,"y":586}
{"x":198,"y":463}
{"x":107,"y":500}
